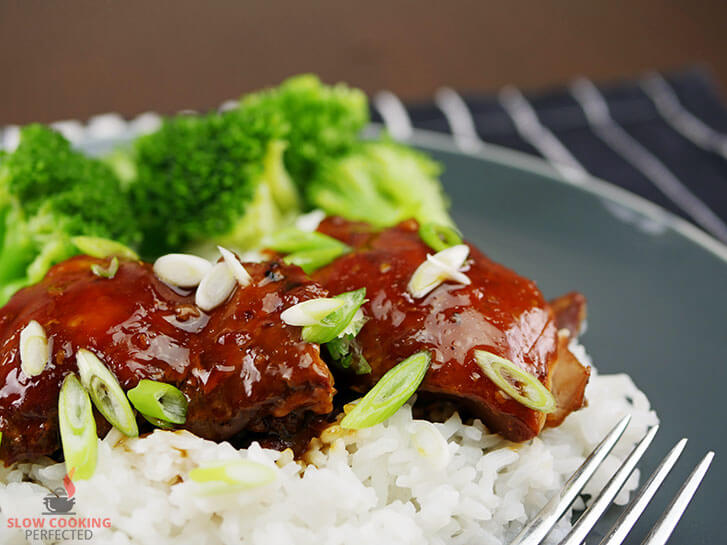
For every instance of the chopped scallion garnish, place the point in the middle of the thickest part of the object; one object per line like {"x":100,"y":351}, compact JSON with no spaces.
{"x":308,"y":250}
{"x":336,"y":322}
{"x":310,"y":312}
{"x":216,"y":286}
{"x":442,"y":266}
{"x":232,"y":476}
{"x":355,"y":325}
{"x":312,"y":260}
{"x":33,"y":349}
{"x":292,"y":240}
{"x":390,"y":393}
{"x":182,"y":270}
{"x":106,"y":272}
{"x":310,"y":221}
{"x":159,"y":400}
{"x":523,"y":387}
{"x":103,"y":247}
{"x":238,"y":271}
{"x":439,"y":237}
{"x":106,"y":393}
{"x":345,"y":351}
{"x":158,"y":423}
{"x":78,"y":428}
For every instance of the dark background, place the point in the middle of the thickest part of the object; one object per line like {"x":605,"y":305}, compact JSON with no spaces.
{"x":73,"y":59}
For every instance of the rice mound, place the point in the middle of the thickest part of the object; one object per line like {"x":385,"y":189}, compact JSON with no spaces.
{"x":405,"y":481}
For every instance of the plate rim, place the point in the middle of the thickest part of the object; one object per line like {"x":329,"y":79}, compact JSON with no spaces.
{"x":424,"y":138}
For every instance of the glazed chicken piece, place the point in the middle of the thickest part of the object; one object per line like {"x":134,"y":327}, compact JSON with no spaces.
{"x":239,"y":365}
{"x":569,"y":377}
{"x":499,"y":312}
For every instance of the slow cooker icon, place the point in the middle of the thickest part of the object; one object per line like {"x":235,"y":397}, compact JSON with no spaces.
{"x":58,"y":503}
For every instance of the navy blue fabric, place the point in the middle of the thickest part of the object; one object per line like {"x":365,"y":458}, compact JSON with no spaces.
{"x":703,"y":171}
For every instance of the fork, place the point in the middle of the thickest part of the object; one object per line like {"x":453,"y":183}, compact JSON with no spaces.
{"x":537,"y":529}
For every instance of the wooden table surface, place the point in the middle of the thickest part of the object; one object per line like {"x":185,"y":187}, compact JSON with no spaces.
{"x":73,"y":59}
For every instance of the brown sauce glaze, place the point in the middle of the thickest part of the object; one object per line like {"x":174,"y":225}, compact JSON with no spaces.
{"x":240,"y":366}
{"x":500,"y":312}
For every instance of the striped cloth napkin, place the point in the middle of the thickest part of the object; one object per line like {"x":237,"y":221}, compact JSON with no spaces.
{"x":663,"y":137}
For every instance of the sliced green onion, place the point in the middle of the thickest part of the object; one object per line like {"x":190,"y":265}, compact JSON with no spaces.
{"x":310,"y":312}
{"x":439,"y":237}
{"x":106,"y":272}
{"x":390,"y":393}
{"x":442,"y":266}
{"x":183,"y":270}
{"x":238,"y":271}
{"x":78,"y":428}
{"x":33,"y":349}
{"x":160,"y":401}
{"x":106,"y":393}
{"x":355,"y":325}
{"x":216,"y":286}
{"x":336,"y":322}
{"x":103,"y":247}
{"x":312,"y":260}
{"x":232,"y":476}
{"x":346,"y":353}
{"x":308,"y":250}
{"x":310,"y":221}
{"x":158,"y":423}
{"x":345,"y":350}
{"x":523,"y":387}
{"x":295,"y":240}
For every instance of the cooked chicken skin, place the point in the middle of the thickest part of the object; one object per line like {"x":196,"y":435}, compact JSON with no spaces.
{"x":239,"y":365}
{"x":500,"y":312}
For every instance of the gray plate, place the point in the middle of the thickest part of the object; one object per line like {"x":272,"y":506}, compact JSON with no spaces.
{"x":657,"y":294}
{"x":655,"y":286}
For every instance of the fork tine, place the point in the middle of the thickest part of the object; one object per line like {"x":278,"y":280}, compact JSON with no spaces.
{"x":665,"y":525}
{"x":535,"y":530}
{"x":628,"y":518}
{"x":590,"y":517}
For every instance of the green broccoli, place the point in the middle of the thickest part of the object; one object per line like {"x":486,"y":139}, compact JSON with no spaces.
{"x":197,"y":175}
{"x":231,"y":178}
{"x":382,"y":183}
{"x":50,"y":193}
{"x":274,"y":203}
{"x":321,"y":121}
{"x":222,"y":178}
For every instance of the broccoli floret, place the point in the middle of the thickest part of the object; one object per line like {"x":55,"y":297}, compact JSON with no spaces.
{"x":123,"y":164}
{"x":321,"y":121}
{"x":223,"y":177}
{"x":382,"y":183}
{"x":48,"y":194}
{"x":231,"y":178}
{"x":274,"y":204}
{"x":197,"y":175}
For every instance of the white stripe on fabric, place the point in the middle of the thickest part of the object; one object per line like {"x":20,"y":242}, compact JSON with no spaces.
{"x":682,"y":120}
{"x":539,"y":136}
{"x":460,"y":119}
{"x":599,"y":118}
{"x":394,"y":114}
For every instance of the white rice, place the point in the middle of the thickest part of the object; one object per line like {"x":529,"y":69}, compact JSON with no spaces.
{"x":405,"y":481}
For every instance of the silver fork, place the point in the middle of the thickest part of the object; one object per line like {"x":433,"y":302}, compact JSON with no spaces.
{"x":537,"y":529}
